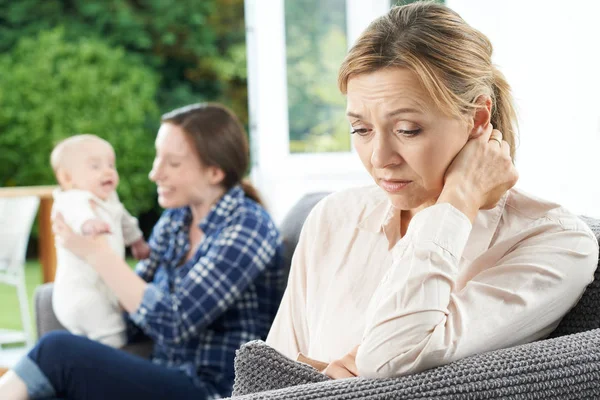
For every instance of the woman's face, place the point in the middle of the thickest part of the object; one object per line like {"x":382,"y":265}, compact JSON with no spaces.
{"x":404,"y":141}
{"x":181,"y":178}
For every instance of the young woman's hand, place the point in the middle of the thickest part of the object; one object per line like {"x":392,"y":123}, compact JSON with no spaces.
{"x":94,"y":227}
{"x":83,"y":246}
{"x":480,"y":174}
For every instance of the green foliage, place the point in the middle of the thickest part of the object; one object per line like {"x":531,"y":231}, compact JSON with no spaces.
{"x":316,"y":45}
{"x":196,"y":47}
{"x":51,"y":88}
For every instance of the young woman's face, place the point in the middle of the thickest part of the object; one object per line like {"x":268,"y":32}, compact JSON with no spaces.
{"x":404,"y":141}
{"x":181,"y":178}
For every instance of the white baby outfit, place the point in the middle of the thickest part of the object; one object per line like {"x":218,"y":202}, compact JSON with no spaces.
{"x":81,"y":300}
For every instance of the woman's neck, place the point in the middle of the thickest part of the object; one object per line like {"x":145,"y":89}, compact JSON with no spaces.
{"x":407,"y":215}
{"x":201,"y":209}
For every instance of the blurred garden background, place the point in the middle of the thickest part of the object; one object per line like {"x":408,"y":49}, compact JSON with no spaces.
{"x":111,"y":68}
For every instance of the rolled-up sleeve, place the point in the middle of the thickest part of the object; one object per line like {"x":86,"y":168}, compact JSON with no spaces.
{"x":237,"y":255}
{"x":423,"y":317}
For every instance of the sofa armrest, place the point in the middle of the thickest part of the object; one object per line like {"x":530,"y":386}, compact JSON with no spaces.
{"x":567,"y":367}
{"x":45,"y":318}
{"x":260,"y":368}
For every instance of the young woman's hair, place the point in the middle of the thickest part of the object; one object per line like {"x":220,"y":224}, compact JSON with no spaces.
{"x":451,"y":59}
{"x":219,"y":139}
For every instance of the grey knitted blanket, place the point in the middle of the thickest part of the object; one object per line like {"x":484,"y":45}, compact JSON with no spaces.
{"x":566,"y":368}
{"x":561,"y":368}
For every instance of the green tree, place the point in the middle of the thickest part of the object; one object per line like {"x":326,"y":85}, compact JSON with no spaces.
{"x":51,"y":88}
{"x":196,"y":47}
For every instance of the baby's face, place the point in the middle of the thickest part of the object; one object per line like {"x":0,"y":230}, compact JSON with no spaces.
{"x":92,"y":168}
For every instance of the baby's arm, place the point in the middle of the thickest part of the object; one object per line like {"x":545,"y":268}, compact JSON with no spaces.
{"x":140,"y":249}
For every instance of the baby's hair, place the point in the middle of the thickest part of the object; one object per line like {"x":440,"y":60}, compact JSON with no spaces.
{"x":64,"y":147}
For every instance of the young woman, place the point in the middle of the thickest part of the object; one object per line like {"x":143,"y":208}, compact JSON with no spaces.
{"x":212,"y":281}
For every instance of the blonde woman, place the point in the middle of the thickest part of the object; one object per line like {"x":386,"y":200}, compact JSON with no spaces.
{"x":442,"y":258}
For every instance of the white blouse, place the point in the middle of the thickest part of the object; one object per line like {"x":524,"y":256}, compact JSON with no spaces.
{"x":444,"y":291}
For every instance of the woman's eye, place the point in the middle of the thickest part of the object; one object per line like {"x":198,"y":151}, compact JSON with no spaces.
{"x":360,"y":132}
{"x":406,"y":132}
{"x":174,"y":165}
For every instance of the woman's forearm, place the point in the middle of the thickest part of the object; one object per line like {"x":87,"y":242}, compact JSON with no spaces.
{"x":122,"y":280}
{"x":405,"y":331}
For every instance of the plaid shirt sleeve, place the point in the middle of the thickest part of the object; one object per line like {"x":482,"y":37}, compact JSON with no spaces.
{"x":157,"y":242}
{"x":237,"y":255}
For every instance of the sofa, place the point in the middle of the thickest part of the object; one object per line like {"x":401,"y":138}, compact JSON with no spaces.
{"x":564,"y":366}
{"x":290,"y":228}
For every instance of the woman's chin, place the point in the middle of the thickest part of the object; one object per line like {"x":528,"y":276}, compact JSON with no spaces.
{"x":404,"y":203}
{"x":166,"y":202}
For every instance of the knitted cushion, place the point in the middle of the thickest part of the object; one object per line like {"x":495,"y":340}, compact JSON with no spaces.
{"x":565,"y":368}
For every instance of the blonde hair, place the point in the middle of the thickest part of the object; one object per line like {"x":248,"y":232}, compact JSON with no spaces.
{"x":451,"y":59}
{"x":64,"y":149}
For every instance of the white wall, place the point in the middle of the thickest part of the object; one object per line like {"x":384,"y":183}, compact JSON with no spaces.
{"x":549,"y":51}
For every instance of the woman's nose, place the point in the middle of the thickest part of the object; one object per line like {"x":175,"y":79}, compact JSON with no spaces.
{"x":384,"y":152}
{"x":152,"y":175}
{"x":155,"y":173}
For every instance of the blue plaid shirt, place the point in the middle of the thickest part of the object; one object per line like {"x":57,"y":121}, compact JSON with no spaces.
{"x":199,"y":313}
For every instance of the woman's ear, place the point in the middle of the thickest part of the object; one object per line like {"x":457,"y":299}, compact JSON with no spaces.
{"x":216,"y":175}
{"x":481,"y":116}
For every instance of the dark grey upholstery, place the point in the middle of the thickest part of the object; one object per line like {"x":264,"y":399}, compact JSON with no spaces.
{"x":45,"y":319}
{"x":566,"y":366}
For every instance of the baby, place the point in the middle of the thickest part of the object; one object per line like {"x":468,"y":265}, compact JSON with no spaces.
{"x":84,"y":166}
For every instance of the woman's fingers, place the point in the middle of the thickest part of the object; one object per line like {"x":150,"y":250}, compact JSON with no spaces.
{"x":506,"y":148}
{"x":337,"y":370}
{"x":496,"y":138}
{"x":484,"y":133}
{"x":344,"y":367}
{"x":58,"y":223}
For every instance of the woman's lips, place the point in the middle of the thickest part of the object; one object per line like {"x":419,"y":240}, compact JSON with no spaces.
{"x":393,"y":186}
{"x":164,"y":191}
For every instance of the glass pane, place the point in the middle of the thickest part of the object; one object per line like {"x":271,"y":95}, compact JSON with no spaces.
{"x":316,"y":45}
